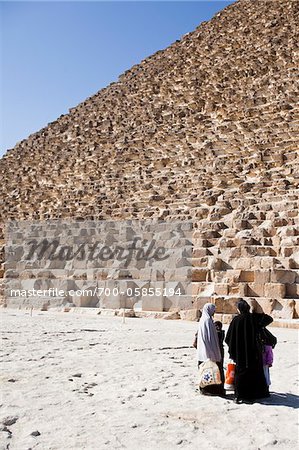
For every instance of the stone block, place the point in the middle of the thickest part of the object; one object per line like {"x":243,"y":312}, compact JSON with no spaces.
{"x":85,"y":301}
{"x":221,"y":288}
{"x":205,"y":289}
{"x":173,"y":315}
{"x":226,"y":305}
{"x":292,"y":290}
{"x":264,"y":305}
{"x":238,"y":289}
{"x":199,"y":302}
{"x":243,"y":264}
{"x":201,"y":252}
{"x":224,"y":318}
{"x":283,"y":276}
{"x":190,"y":314}
{"x":255,"y":290}
{"x":152,"y":303}
{"x":284,"y":309}
{"x":199,"y":274}
{"x":262,"y":276}
{"x":275,"y":290}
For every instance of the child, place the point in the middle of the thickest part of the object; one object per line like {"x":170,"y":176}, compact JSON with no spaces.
{"x":267,"y":362}
{"x":221,"y":335}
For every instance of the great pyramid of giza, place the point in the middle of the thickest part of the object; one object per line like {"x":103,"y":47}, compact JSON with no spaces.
{"x":205,"y":130}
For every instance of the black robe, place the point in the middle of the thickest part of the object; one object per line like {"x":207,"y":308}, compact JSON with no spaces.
{"x":245,"y":349}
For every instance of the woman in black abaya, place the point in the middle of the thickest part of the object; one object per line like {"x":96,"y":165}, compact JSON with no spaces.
{"x":244,"y":348}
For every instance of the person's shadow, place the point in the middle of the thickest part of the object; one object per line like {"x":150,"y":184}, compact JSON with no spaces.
{"x":281,"y":399}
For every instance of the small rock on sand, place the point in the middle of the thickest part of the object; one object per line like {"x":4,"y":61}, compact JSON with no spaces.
{"x":10,"y":420}
{"x":35,"y":433}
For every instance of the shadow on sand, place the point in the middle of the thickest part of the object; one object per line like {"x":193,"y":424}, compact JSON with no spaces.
{"x":281,"y":399}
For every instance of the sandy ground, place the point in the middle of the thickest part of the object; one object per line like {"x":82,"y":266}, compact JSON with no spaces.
{"x":81,"y":381}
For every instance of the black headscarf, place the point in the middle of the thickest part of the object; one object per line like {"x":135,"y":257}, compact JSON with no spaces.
{"x":243,"y":307}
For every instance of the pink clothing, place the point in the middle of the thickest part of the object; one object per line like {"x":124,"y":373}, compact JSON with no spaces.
{"x":267,"y":356}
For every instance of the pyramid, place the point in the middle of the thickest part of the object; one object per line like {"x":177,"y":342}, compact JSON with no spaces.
{"x":205,"y":131}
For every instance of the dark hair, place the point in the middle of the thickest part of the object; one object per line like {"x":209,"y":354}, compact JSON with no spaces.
{"x":218,"y":324}
{"x":243,"y":307}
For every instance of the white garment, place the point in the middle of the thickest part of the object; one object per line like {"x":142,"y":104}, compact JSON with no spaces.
{"x":267,"y":375}
{"x":207,"y":338}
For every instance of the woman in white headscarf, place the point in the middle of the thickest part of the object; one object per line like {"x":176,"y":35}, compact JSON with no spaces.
{"x":208,"y":346}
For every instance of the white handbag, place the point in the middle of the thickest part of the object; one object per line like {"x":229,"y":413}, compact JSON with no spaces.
{"x":209,"y":373}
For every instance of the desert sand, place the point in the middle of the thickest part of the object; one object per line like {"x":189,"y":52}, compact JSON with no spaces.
{"x":81,"y":381}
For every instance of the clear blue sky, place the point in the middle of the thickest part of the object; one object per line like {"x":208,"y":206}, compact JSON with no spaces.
{"x":56,"y":54}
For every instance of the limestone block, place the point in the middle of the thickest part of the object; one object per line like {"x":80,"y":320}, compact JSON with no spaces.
{"x":238,"y":289}
{"x":255,"y":290}
{"x":266,"y":263}
{"x":292,"y":290}
{"x":190,"y":314}
{"x":205,"y":289}
{"x":243,"y":263}
{"x":174,"y":315}
{"x":247,"y":276}
{"x":294,"y":262}
{"x":221,"y":288}
{"x":201,"y":252}
{"x":199,"y":274}
{"x":224,"y":318}
{"x":226,"y":305}
{"x":283,"y":276}
{"x":197,"y":288}
{"x":84,"y":301}
{"x":284,"y":309}
{"x":287,"y":252}
{"x":264,"y":305}
{"x":152,"y":303}
{"x":224,"y":242}
{"x":262,"y":276}
{"x":199,"y":302}
{"x":217,"y":264}
{"x":275,"y":290}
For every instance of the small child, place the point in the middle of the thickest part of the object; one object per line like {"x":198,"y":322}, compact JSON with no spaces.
{"x":221,"y":335}
{"x":267,"y":362}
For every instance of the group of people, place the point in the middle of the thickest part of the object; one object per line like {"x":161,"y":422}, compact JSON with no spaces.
{"x":247,"y":347}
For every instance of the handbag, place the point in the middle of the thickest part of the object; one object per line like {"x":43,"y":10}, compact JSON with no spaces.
{"x":229,"y":383}
{"x":209,"y":374}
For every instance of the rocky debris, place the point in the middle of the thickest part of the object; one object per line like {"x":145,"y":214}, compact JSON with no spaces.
{"x":35,"y":433}
{"x":189,"y":314}
{"x":10,"y":420}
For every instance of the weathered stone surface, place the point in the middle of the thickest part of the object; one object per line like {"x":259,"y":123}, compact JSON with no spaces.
{"x":205,"y":131}
{"x":174,"y":315}
{"x":284,"y":309}
{"x":126,"y":313}
{"x":275,"y":290}
{"x":190,"y":314}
